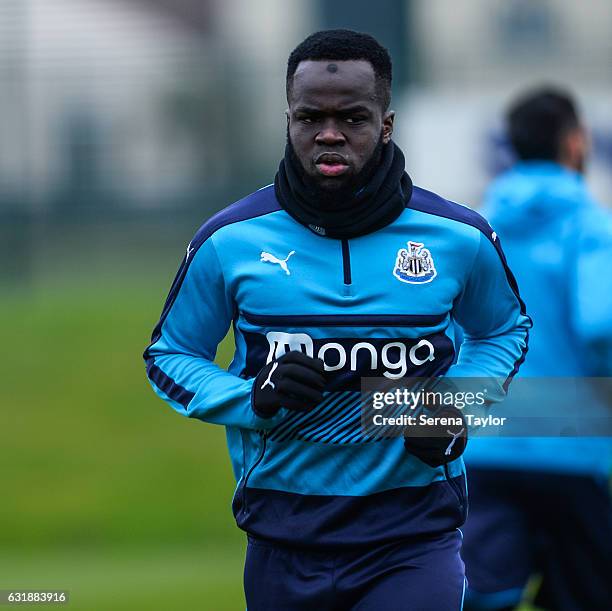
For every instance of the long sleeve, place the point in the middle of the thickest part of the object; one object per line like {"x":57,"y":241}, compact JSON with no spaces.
{"x":591,"y":289}
{"x":494,"y":322}
{"x":180,"y":367}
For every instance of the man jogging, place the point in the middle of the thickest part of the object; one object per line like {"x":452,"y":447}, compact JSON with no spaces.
{"x":339,"y":270}
{"x":542,"y":504}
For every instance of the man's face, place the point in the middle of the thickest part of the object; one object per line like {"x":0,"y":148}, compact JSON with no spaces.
{"x":335,"y":121}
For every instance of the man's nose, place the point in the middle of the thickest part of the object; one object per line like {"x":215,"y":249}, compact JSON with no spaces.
{"x":330,"y":135}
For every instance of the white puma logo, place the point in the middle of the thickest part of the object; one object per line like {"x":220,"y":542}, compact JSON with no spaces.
{"x":266,"y":256}
{"x":452,"y":443}
{"x":268,"y":381}
{"x":189,"y":250}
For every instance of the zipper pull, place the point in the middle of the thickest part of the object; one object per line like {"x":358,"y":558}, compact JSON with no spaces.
{"x":245,"y":509}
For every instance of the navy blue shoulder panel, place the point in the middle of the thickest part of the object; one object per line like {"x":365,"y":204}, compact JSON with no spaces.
{"x":256,"y":204}
{"x":430,"y":203}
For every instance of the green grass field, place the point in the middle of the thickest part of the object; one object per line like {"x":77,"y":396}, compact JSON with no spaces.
{"x":107,"y":492}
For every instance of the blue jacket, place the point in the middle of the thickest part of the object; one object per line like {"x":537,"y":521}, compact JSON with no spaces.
{"x":559,"y":244}
{"x":316,"y":479}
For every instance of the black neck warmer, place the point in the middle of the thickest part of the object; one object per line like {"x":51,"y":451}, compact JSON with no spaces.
{"x":372,"y":207}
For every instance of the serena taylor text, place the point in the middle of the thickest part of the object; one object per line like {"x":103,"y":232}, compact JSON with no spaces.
{"x":425,"y":420}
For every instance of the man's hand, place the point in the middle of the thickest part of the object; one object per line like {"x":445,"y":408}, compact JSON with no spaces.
{"x":294,"y":381}
{"x":441,"y":442}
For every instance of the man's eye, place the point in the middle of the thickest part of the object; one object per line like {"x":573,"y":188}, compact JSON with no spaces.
{"x":355,"y":120}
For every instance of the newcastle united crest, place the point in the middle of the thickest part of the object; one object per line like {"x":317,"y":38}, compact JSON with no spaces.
{"x":414,"y":264}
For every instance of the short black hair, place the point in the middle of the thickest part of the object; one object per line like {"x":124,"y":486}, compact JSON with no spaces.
{"x":538,"y":120}
{"x":342,"y":45}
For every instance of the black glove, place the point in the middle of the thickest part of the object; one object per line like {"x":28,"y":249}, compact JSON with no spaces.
{"x":439,"y":443}
{"x":294,"y":381}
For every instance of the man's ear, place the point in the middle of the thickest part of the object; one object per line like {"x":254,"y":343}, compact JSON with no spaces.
{"x":574,"y":148}
{"x":287,"y":116}
{"x":387,"y":131}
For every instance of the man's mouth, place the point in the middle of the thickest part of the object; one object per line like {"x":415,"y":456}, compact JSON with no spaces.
{"x":331,"y":164}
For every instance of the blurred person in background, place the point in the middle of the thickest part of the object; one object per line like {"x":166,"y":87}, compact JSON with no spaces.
{"x":543,"y":504}
{"x":341,"y":269}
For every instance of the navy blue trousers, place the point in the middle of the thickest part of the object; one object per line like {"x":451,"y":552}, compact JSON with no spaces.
{"x":422,"y":575}
{"x":556,"y":525}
